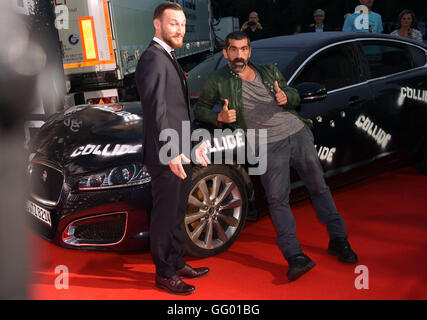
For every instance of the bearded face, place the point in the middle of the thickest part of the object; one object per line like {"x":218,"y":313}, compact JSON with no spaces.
{"x":237,"y":54}
{"x":175,"y":40}
{"x":238,"y":64}
{"x":171,"y":27}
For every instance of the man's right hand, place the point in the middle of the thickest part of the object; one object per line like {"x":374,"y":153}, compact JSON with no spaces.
{"x":176,"y":167}
{"x":244,"y":26}
{"x":226,"y":115}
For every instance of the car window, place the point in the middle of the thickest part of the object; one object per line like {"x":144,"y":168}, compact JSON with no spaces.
{"x":334,"y":68}
{"x":280,"y":57}
{"x":418,"y":56}
{"x":208,"y":65}
{"x":386,"y":58}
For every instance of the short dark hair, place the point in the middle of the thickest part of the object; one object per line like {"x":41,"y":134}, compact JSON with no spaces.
{"x":158,"y":12}
{"x":236,"y":35}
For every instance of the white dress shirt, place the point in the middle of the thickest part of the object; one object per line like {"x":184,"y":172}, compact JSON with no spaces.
{"x":165,"y":46}
{"x":318,"y":29}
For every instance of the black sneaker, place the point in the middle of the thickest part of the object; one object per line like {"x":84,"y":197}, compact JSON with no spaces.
{"x":341,"y":248}
{"x":298,"y":265}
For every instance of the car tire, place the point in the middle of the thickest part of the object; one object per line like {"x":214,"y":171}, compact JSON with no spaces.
{"x":216,"y":212}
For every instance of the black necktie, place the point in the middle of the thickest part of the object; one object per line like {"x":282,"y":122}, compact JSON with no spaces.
{"x":175,"y":60}
{"x":173,"y":54}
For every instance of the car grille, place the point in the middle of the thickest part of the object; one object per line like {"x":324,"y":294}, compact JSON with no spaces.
{"x":101,"y":230}
{"x":46,"y":183}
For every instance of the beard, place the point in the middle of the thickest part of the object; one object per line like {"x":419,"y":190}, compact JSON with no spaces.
{"x":238,"y":67}
{"x":173,"y":41}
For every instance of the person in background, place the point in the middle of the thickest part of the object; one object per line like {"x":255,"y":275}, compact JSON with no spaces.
{"x":375,"y":20}
{"x":346,"y":15}
{"x":406,"y":19}
{"x":298,"y":29}
{"x":253,"y":27}
{"x":319,"y":26}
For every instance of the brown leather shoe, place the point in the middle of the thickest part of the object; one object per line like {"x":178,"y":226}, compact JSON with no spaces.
{"x":174,"y":285}
{"x":192,"y":273}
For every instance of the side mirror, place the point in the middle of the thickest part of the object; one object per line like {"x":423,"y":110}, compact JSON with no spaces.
{"x":311,"y":92}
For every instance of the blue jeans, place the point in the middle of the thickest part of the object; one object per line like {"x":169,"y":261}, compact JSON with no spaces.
{"x":299,"y":152}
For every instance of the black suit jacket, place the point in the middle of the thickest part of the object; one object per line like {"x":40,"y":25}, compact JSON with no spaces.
{"x":312,"y":28}
{"x":163,"y":91}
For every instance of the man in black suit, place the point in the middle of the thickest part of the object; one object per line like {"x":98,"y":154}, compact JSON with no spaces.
{"x":162,"y":87}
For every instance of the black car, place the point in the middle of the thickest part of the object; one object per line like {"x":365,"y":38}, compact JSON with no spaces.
{"x":366,"y":95}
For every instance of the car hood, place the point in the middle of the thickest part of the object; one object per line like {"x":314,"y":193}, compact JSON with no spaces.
{"x":91,"y":137}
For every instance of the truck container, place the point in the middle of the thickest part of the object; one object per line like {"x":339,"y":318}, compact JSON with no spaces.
{"x":104,"y":39}
{"x":224,"y":25}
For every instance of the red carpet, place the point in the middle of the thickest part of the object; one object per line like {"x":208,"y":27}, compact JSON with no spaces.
{"x":386,"y":218}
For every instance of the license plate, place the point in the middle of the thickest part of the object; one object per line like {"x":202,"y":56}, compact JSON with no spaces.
{"x":39,"y":212}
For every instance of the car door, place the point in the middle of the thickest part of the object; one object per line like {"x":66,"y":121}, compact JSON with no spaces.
{"x":398,"y":79}
{"x":337,"y":68}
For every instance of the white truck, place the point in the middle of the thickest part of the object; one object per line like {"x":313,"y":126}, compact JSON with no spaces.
{"x":103,"y":40}
{"x":224,"y":25}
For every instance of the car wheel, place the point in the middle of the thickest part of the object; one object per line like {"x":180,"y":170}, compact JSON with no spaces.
{"x":216,"y":212}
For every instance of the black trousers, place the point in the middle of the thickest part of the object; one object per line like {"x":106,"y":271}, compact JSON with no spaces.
{"x":170,"y":198}
{"x":299,"y":152}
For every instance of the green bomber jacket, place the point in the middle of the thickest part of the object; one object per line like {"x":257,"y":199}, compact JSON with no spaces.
{"x":226,"y":84}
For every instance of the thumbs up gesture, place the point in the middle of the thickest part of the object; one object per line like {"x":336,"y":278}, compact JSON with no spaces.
{"x":281,"y":97}
{"x":226,"y":115}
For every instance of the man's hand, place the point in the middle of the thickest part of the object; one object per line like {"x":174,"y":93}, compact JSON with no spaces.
{"x":281,"y":97}
{"x":244,"y":26}
{"x":176,"y":166}
{"x":201,"y":156}
{"x":226,"y":116}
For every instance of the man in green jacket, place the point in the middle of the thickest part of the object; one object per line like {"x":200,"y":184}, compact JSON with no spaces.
{"x":257,"y":97}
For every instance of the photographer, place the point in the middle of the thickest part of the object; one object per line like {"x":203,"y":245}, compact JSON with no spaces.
{"x":253,"y":28}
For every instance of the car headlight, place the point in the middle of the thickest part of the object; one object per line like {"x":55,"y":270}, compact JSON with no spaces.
{"x":118,"y":177}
